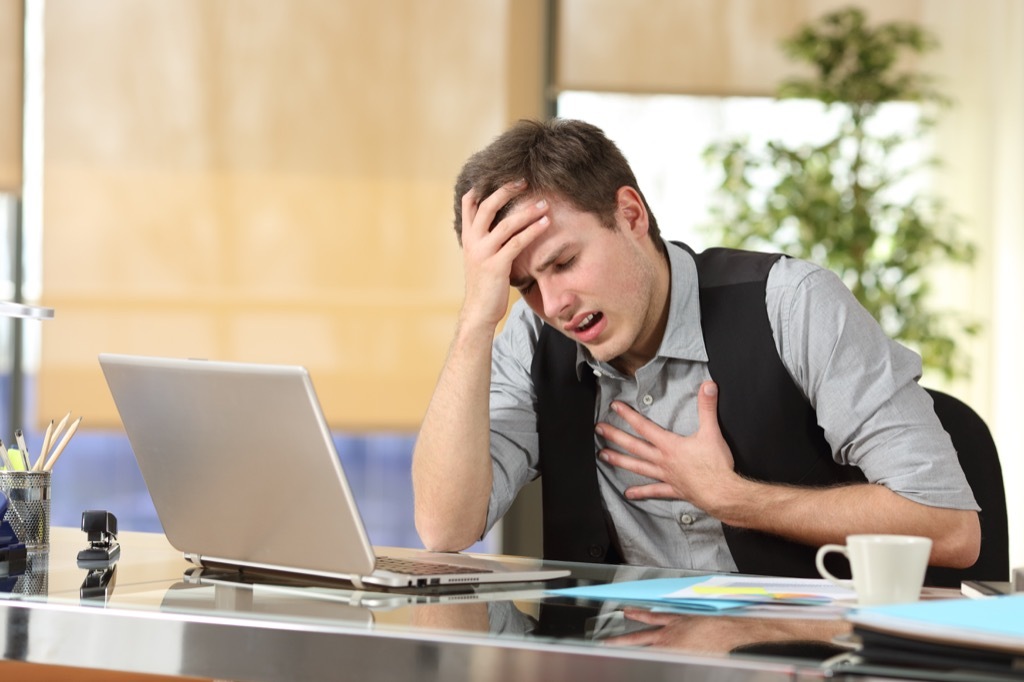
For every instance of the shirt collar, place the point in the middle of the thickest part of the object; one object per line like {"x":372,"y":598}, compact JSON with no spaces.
{"x":683,"y":338}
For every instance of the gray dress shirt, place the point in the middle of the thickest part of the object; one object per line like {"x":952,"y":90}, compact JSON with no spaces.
{"x":862,"y":385}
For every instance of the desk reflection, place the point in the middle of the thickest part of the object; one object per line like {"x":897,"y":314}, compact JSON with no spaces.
{"x":616,"y":625}
{"x":731,"y":634}
{"x":259,"y":601}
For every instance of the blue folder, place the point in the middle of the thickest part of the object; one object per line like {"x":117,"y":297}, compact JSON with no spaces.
{"x":651,"y":591}
{"x":991,"y":621}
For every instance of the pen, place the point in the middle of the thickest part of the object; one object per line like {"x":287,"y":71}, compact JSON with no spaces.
{"x":43,"y":448}
{"x":60,"y":446}
{"x":19,"y":436}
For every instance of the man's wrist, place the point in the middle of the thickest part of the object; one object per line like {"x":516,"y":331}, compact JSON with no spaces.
{"x":469,"y":328}
{"x":740,"y":502}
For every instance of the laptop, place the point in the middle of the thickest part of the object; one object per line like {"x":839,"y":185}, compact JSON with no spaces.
{"x":300,"y":591}
{"x":243,"y":473}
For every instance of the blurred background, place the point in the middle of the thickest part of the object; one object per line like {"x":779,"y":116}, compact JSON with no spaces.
{"x":272,"y":182}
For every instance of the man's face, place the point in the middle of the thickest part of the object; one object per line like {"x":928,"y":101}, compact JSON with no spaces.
{"x":594,"y":284}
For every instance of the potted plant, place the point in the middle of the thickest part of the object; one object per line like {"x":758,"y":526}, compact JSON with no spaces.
{"x":843,"y":202}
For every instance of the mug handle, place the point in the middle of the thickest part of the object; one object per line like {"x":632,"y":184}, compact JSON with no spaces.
{"x":819,"y":562}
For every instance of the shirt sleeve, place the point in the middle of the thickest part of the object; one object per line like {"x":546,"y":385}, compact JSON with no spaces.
{"x":863,"y":387}
{"x":514,"y":442}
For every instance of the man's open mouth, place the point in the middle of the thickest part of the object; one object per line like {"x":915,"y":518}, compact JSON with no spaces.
{"x":589,"y":321}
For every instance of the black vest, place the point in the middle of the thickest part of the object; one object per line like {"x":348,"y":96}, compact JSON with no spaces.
{"x":770,"y":427}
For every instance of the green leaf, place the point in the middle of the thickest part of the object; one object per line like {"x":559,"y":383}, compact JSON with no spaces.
{"x":833,"y":203}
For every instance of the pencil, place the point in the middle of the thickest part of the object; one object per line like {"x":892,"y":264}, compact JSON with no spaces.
{"x":19,"y":436}
{"x":38,"y":466}
{"x":8,"y":466}
{"x":55,"y":435}
{"x":61,"y":445}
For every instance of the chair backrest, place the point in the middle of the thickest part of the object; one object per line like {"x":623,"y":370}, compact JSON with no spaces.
{"x":980,"y":462}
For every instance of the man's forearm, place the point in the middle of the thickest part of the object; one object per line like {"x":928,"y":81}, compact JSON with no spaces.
{"x":451,"y":468}
{"x":816,"y":516}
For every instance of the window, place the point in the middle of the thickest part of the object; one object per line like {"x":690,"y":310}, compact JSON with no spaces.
{"x":664,"y":138}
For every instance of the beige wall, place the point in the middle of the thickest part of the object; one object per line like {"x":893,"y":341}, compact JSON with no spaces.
{"x":716,"y":47}
{"x":11,"y":22}
{"x":264,"y":181}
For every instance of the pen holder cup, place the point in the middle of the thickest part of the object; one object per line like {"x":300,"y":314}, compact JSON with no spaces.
{"x":34,"y":581}
{"x":28,"y":506}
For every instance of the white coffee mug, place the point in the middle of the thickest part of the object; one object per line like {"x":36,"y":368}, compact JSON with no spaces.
{"x":887,"y":569}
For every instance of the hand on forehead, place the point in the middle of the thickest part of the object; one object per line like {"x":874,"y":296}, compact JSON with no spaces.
{"x":525,"y":198}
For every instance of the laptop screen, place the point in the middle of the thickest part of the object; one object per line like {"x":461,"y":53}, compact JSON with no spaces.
{"x":239,"y":462}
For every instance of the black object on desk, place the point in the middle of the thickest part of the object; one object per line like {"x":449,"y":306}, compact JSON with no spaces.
{"x":934,"y":660}
{"x":98,"y":585}
{"x":101,"y":528}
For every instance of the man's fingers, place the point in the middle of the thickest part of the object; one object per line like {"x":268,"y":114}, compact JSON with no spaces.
{"x":469,"y":208}
{"x":516,"y":222}
{"x":647,"y":429}
{"x":707,"y":407}
{"x":523,"y":237}
{"x":653,"y":491}
{"x":630,"y":463}
{"x":649,"y":617}
{"x":514,"y":232}
{"x":478,"y":212}
{"x":625,"y":440}
{"x":643,"y":638}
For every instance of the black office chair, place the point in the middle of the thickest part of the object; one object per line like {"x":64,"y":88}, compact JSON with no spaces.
{"x":980,"y":462}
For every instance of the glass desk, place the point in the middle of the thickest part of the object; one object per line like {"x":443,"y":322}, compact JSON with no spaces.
{"x":156,"y":614}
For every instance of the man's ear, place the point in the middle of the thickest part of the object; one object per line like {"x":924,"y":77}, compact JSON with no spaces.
{"x":631,"y":210}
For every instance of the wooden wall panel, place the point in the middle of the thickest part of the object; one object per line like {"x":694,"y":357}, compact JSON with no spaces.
{"x":11,"y":52}
{"x":262,"y":181}
{"x":716,"y":47}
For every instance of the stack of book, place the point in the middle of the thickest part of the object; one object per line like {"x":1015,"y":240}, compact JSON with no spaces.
{"x":975,"y":639}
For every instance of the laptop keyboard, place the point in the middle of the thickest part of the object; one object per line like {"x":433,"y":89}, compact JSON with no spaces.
{"x":413,"y":567}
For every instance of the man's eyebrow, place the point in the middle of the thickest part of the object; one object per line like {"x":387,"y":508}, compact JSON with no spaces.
{"x":552,"y":258}
{"x":520,"y":282}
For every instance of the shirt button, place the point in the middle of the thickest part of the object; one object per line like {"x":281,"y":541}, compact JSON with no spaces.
{"x":685,"y":519}
{"x":648,"y":399}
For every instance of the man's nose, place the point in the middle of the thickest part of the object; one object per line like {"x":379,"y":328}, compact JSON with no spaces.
{"x":557,"y":300}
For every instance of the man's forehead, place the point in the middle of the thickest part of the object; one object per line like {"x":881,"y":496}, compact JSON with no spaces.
{"x":539,"y":255}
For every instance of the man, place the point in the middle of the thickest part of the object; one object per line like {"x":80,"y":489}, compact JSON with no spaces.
{"x":737,"y":409}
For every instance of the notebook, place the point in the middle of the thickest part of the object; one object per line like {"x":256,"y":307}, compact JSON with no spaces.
{"x":243,"y":472}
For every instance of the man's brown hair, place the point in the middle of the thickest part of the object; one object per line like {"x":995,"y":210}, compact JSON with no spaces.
{"x":569,"y":158}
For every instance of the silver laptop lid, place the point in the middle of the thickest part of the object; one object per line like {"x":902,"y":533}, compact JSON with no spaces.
{"x":240,"y":462}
